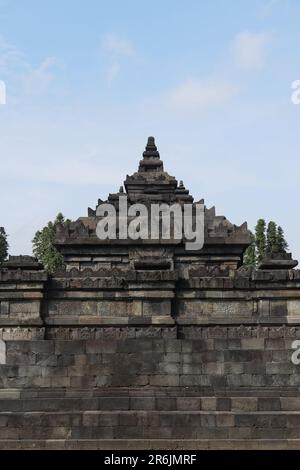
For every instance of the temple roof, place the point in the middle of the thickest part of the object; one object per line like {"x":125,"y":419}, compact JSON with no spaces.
{"x":152,"y":184}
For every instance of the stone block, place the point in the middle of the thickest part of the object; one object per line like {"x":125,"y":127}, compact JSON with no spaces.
{"x":241,"y":380}
{"x":223,"y":404}
{"x":253,"y":343}
{"x":63,"y":361}
{"x":70,"y":347}
{"x":83,"y":382}
{"x":39,"y":381}
{"x":225,"y":420}
{"x":234,"y":368}
{"x":30,"y":371}
{"x":105,"y":346}
{"x":278,"y":380}
{"x":294,"y":380}
{"x":254,"y":367}
{"x":134,"y":345}
{"x":218,"y":332}
{"x":168,"y":368}
{"x":131,"y":432}
{"x":279,"y":368}
{"x":60,"y":382}
{"x":165,"y":403}
{"x":161,"y":307}
{"x":90,"y":418}
{"x":208,"y":420}
{"x":127,"y":419}
{"x":221,"y":344}
{"x":245,"y":420}
{"x":213,"y":368}
{"x":293,"y":421}
{"x":26,"y":307}
{"x":158,"y":345}
{"x":272,"y":421}
{"x":54,"y":371}
{"x":281,"y":356}
{"x":238,"y":356}
{"x":172,"y":357}
{"x":4,"y":307}
{"x":240,"y":433}
{"x":4,"y":420}
{"x":158,"y":432}
{"x":188,"y":403}
{"x":278,"y":308}
{"x":268,"y":404}
{"x":202,"y":345}
{"x":195,"y":380}
{"x":218,"y":381}
{"x":192,"y":369}
{"x":47,"y":360}
{"x":208,"y":403}
{"x":18,"y":345}
{"x":114,"y":403}
{"x":184,"y":432}
{"x":172,"y":346}
{"x":164,"y":380}
{"x":290,"y":403}
{"x":259,"y":380}
{"x":187,"y":346}
{"x":43,"y":346}
{"x":275,"y":343}
{"x":142,"y":403}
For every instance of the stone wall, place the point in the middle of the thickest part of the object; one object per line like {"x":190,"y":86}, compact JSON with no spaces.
{"x":215,"y":383}
{"x":212,"y":357}
{"x":143,"y":343}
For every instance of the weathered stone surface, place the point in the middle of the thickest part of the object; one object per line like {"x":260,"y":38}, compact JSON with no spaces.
{"x":146,"y":340}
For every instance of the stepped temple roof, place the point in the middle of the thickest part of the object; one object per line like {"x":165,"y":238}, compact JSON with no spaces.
{"x":152,"y":184}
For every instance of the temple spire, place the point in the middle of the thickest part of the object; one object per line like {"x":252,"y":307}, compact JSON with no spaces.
{"x":151,"y":149}
{"x":151,"y":158}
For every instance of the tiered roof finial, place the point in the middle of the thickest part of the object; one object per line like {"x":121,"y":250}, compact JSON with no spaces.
{"x":151,"y":158}
{"x":151,"y":149}
{"x":151,"y":142}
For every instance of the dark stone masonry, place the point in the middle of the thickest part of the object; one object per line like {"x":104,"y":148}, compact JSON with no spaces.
{"x":144,"y":344}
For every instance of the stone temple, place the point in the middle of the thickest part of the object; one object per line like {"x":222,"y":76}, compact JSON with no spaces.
{"x":144,"y":344}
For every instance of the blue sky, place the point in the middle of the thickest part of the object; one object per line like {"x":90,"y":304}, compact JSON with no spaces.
{"x":88,"y":81}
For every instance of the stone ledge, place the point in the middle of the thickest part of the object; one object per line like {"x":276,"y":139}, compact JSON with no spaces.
{"x":111,"y":321}
{"x":151,"y":444}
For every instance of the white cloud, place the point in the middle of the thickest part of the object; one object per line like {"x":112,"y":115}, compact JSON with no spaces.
{"x":119,"y":46}
{"x":267,"y":8}
{"x":21,"y":75}
{"x":117,"y":49}
{"x":10,"y":57}
{"x":250,"y":48}
{"x":38,"y":79}
{"x":113,"y":71}
{"x":199,"y":95}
